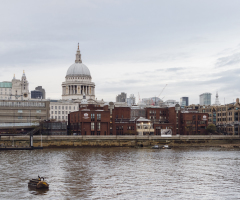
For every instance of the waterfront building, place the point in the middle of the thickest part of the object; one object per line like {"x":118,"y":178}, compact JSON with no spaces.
{"x":205,"y":99}
{"x":23,"y":112}
{"x":134,"y":120}
{"x":78,"y":81}
{"x":15,"y":89}
{"x":121,"y":97}
{"x":225,"y":117}
{"x":184,"y":101}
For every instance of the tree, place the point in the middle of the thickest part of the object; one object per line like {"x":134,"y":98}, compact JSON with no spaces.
{"x":211,"y":128}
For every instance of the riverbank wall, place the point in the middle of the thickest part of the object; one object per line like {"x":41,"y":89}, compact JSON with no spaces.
{"x":121,"y":141}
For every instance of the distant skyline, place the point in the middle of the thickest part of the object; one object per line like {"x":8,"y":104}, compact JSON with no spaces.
{"x":134,"y":46}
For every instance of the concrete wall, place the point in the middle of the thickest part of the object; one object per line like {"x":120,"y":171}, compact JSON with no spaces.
{"x":121,"y":141}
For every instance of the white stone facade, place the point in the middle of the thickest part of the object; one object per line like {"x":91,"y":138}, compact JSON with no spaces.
{"x":16,"y":89}
{"x":59,"y":110}
{"x":78,"y":81}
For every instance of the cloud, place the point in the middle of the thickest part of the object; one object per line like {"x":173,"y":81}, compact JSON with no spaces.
{"x":228,"y":60}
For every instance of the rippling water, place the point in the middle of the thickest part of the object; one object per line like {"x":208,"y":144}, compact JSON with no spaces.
{"x":122,"y":173}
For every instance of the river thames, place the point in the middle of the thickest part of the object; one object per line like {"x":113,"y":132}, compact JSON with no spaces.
{"x":122,"y":173}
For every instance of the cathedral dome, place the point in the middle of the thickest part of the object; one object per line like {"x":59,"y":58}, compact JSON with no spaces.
{"x":78,"y":69}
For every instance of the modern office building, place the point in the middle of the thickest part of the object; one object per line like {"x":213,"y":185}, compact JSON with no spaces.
{"x":121,"y":97}
{"x":36,"y":94}
{"x":131,"y":100}
{"x":184,"y":101}
{"x":205,"y":99}
{"x":39,"y":88}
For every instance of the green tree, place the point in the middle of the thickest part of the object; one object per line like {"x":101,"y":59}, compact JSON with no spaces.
{"x":211,"y":128}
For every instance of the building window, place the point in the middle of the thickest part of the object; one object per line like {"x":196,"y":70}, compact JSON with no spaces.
{"x":66,"y":107}
{"x":92,"y":133}
{"x":62,"y":112}
{"x":59,"y":112}
{"x":62,"y":117}
{"x":98,"y":126}
{"x":66,"y":117}
{"x":92,"y":125}
{"x":55,"y":107}
{"x":55,"y":112}
{"x":66,"y":112}
{"x":74,"y":108}
{"x":20,"y":111}
{"x":59,"y":107}
{"x":59,"y":117}
{"x":55,"y":117}
{"x":92,"y":117}
{"x":19,"y":117}
{"x":98,"y":132}
{"x":98,"y":116}
{"x":51,"y":107}
{"x":38,"y":111}
{"x":52,"y":112}
{"x":69,"y":107}
{"x":62,"y":107}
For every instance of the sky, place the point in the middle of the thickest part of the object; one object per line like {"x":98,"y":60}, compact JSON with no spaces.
{"x":132,"y":46}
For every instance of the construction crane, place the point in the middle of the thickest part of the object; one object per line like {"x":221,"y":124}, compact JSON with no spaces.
{"x":162,"y":90}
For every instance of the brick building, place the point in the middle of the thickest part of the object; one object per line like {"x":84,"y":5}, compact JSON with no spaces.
{"x":112,"y":120}
{"x":225,"y":117}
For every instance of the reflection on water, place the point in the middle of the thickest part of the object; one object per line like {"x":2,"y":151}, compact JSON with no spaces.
{"x":35,"y":191}
{"x":122,"y":173}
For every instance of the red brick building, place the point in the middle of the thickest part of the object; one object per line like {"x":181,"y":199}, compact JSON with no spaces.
{"x":110,"y":120}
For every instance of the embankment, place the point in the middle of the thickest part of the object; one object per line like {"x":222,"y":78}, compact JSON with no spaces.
{"x":121,"y":141}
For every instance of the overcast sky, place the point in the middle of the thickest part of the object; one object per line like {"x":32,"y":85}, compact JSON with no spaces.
{"x":132,"y":46}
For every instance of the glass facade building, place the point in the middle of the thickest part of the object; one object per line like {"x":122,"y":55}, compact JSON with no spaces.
{"x":205,"y":99}
{"x":184,"y":101}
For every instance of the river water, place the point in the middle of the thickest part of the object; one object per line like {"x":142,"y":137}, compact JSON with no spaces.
{"x":122,"y":173}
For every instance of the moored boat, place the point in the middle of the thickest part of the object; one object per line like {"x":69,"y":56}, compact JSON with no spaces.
{"x":38,"y":183}
{"x":161,"y":147}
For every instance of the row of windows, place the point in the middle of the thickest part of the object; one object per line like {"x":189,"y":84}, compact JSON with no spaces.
{"x":59,"y":112}
{"x":93,"y":126}
{"x":21,"y":104}
{"x":93,"y":116}
{"x":60,"y":117}
{"x":6,"y":89}
{"x":62,"y":107}
{"x":77,"y":78}
{"x":37,"y":111}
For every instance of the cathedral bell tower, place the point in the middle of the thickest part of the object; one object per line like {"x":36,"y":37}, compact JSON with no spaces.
{"x":24,"y":87}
